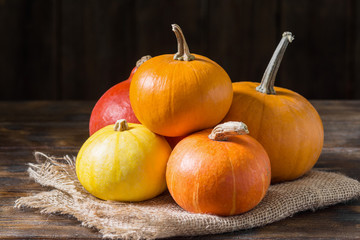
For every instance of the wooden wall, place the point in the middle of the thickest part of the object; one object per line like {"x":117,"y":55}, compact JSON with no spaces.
{"x":77,"y":49}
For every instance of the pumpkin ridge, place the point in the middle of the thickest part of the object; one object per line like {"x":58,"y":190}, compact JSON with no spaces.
{"x":201,"y":162}
{"x":295,"y":166}
{"x":93,"y":182}
{"x":262,"y":119}
{"x":195,"y":199}
{"x":233,"y":208}
{"x":116,"y":157}
{"x":172,"y":90}
{"x":197,"y":81}
{"x":135,"y":138}
{"x":173,"y":107}
{"x":91,"y":140}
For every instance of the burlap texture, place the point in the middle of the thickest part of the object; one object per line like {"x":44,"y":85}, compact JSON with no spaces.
{"x":162,"y":217}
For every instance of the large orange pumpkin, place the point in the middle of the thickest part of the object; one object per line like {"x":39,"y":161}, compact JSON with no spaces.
{"x":174,"y":95}
{"x":222,"y":173}
{"x":284,"y":122}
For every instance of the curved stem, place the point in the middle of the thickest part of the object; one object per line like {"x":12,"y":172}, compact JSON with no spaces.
{"x":121,"y":125}
{"x":268,"y":80}
{"x":183,"y":53}
{"x":222,"y":131}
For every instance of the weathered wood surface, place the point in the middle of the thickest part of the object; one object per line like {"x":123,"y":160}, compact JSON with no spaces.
{"x":63,"y":49}
{"x":59,"y":128}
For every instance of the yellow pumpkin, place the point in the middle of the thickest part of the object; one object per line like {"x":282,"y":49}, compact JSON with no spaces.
{"x":123,"y":162}
{"x":174,"y":95}
{"x":284,"y":122}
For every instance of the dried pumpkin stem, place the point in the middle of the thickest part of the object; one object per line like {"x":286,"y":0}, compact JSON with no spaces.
{"x":121,"y":125}
{"x":222,"y":131}
{"x":142,"y":60}
{"x":183,"y":53}
{"x":268,"y":79}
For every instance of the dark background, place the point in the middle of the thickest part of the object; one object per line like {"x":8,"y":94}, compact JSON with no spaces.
{"x":77,"y":49}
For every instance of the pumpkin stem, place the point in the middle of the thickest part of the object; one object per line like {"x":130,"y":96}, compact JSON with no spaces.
{"x":222,"y":131}
{"x":121,"y":125}
{"x":183,"y":53}
{"x":142,"y":60}
{"x":268,"y":80}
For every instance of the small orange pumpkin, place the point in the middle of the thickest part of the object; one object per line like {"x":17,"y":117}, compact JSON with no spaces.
{"x":284,"y":122}
{"x":222,"y":173}
{"x":174,"y":95}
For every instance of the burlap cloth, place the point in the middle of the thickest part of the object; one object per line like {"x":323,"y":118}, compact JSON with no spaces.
{"x":162,"y":217}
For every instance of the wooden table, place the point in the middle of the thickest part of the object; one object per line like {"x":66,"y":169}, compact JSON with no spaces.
{"x":60,"y":128}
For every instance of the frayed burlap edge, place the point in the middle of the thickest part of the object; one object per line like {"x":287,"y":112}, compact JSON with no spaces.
{"x":162,"y":217}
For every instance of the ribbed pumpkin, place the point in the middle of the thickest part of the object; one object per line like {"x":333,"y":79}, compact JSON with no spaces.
{"x":222,"y":173}
{"x":284,"y":122}
{"x":174,"y":95}
{"x":123,"y":162}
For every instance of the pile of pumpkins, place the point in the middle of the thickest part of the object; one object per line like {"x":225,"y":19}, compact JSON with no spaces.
{"x":179,"y":123}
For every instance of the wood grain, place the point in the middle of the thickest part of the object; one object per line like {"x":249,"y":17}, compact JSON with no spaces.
{"x":356,"y":50}
{"x":76,"y":50}
{"x":231,"y":25}
{"x":27,"y":59}
{"x":59,"y":128}
{"x":97,"y":46}
{"x":327,"y":33}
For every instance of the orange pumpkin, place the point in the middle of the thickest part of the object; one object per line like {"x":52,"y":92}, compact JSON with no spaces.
{"x":222,"y":173}
{"x":284,"y":122}
{"x":174,"y":95}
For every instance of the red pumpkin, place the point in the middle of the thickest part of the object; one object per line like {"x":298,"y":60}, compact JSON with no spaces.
{"x":173,"y":141}
{"x":221,"y":173}
{"x":114,"y":104}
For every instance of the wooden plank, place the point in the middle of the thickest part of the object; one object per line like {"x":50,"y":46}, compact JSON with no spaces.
{"x":97,"y":46}
{"x":30,"y":124}
{"x":43,"y":136}
{"x":29,"y":223}
{"x":300,"y":226}
{"x":342,"y":134}
{"x":341,"y":120}
{"x":34,"y":111}
{"x":316,"y":65}
{"x":72,"y":134}
{"x":27,"y":59}
{"x":45,"y":111}
{"x":41,"y":125}
{"x":343,"y":160}
{"x":334,"y":110}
